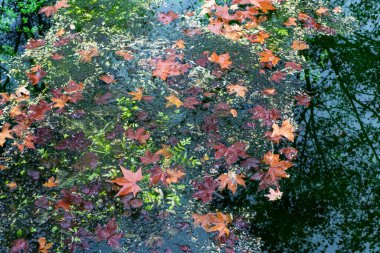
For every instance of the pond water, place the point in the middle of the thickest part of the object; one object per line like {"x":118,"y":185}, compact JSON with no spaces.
{"x":332,"y":201}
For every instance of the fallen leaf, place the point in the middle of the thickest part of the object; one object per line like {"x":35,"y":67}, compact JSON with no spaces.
{"x":174,"y":175}
{"x":322,"y":10}
{"x":173,"y":101}
{"x":180,"y":44}
{"x":87,"y":55}
{"x":5,"y":133}
{"x":238,"y":89}
{"x":141,"y":135}
{"x":231,"y":180}
{"x":299,"y":45}
{"x":51,"y":183}
{"x":274,"y":194}
{"x":223,"y":60}
{"x":128,"y":182}
{"x":268,"y":58}
{"x":166,"y":18}
{"x":108,"y":79}
{"x":43,"y":246}
{"x":125,"y":54}
{"x":290,"y":22}
{"x":285,"y":130}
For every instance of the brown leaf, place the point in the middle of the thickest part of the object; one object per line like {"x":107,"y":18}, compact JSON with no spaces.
{"x":285,"y":130}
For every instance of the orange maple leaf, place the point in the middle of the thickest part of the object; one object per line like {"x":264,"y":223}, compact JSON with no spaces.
{"x":238,"y":89}
{"x":128,"y":182}
{"x":231,"y":181}
{"x":43,"y":246}
{"x":137,"y":95}
{"x":180,"y":44}
{"x":60,"y":102}
{"x":212,"y":222}
{"x":299,"y":45}
{"x":51,"y":183}
{"x":268,"y":58}
{"x":174,"y":175}
{"x":285,"y":130}
{"x":173,"y":101}
{"x":125,"y":54}
{"x":223,"y":60}
{"x":87,"y":55}
{"x":5,"y":133}
{"x":108,"y":79}
{"x":277,"y":167}
{"x":322,"y":10}
{"x":290,"y":22}
{"x":260,"y":37}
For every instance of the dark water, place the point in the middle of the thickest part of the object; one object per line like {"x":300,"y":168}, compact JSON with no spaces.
{"x":332,"y":199}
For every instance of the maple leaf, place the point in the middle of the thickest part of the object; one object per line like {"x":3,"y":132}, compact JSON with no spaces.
{"x":322,"y":10}
{"x":180,"y":44}
{"x":290,"y":22}
{"x":278,"y":76}
{"x":51,"y":183}
{"x":109,"y":233}
{"x":125,"y":54}
{"x":223,"y":60}
{"x":173,"y":101}
{"x":285,"y":130}
{"x":166,"y":18}
{"x":212,"y":222}
{"x":289,"y":152}
{"x":299,"y":45}
{"x":149,"y":158}
{"x":35,"y":43}
{"x":260,"y":37}
{"x":268,"y":116}
{"x":274,"y":194}
{"x":337,"y":9}
{"x":205,"y":189}
{"x":5,"y":133}
{"x":269,"y":91}
{"x":156,"y":175}
{"x":138,"y":95}
{"x":57,"y":57}
{"x":164,"y":151}
{"x":303,"y":99}
{"x":19,"y":245}
{"x":60,"y":102}
{"x":141,"y":135}
{"x":35,"y":74}
{"x":173,"y":175}
{"x":293,"y":66}
{"x":43,"y":247}
{"x":108,"y":79}
{"x":128,"y":182}
{"x":190,"y":102}
{"x":169,"y":67}
{"x":231,"y":181}
{"x":277,"y":167}
{"x":238,"y":89}
{"x":268,"y":58}
{"x":50,"y":10}
{"x":87,"y":55}
{"x":232,"y":153}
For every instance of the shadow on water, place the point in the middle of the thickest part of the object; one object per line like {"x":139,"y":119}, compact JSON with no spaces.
{"x":332,"y":198}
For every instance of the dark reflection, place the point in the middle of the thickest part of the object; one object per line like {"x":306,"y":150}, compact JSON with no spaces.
{"x":332,"y":202}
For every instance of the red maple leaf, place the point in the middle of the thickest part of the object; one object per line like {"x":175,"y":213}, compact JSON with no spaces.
{"x":149,"y":157}
{"x":128,"y":182}
{"x":166,"y":18}
{"x":35,"y":74}
{"x":205,"y":189}
{"x":109,"y":233}
{"x":141,"y":135}
{"x":232,"y":153}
